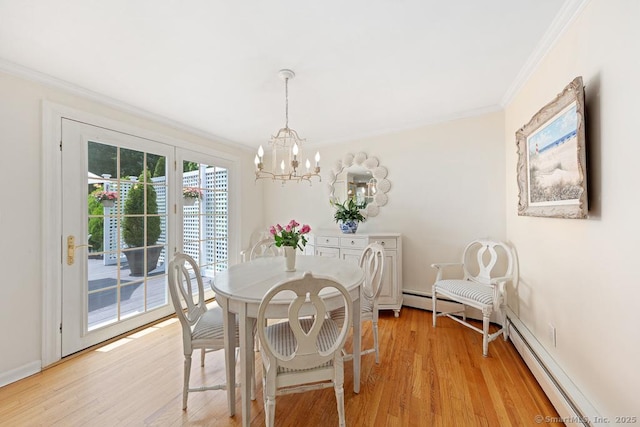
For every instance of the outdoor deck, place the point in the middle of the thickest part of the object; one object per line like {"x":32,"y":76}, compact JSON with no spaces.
{"x":135,"y":292}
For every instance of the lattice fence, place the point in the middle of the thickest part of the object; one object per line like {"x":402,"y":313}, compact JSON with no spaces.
{"x":205,"y":224}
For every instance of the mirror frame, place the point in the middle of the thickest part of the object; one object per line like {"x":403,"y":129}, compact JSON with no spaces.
{"x":383,"y":185}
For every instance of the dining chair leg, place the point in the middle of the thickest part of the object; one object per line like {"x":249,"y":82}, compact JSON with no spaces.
{"x":339,"y":388}
{"x":505,"y":325}
{"x":253,"y":375}
{"x":485,"y":335}
{"x":434,"y":313}
{"x":269,"y":390}
{"x":187,"y":374}
{"x":375,"y":341}
{"x":202,"y":352}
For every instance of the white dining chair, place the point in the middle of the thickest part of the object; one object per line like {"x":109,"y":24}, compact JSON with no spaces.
{"x":305,"y":352}
{"x":264,"y":248}
{"x":372,"y":263}
{"x":202,"y":327}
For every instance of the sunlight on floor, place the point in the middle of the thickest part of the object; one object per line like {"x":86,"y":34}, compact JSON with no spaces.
{"x":139,"y":334}
{"x":113,"y":345}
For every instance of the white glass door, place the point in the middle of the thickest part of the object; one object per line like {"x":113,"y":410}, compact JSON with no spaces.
{"x":205,"y":223}
{"x":116,"y":233}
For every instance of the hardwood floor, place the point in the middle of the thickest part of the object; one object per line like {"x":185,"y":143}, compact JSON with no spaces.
{"x":426,"y":376}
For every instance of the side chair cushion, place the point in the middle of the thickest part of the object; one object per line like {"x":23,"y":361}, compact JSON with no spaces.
{"x":467,"y":289}
{"x":284,"y":342}
{"x":211,"y":326}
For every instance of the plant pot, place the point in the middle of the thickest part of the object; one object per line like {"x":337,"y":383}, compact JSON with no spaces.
{"x":135,"y":259}
{"x":290,"y":258}
{"x":108,"y":203}
{"x":348,"y":227}
{"x":189,"y":201}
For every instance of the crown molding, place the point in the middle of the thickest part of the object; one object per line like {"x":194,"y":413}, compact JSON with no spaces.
{"x":564,"y":18}
{"x":47,"y":80}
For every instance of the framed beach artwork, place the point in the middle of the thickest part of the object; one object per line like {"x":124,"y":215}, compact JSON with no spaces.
{"x":551,"y":158}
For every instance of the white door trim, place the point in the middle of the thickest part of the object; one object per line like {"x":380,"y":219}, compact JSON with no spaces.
{"x":51,"y":215}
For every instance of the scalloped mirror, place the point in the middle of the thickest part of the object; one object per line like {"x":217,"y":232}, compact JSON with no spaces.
{"x":361,"y":177}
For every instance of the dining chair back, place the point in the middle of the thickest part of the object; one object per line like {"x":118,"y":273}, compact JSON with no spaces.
{"x":264,"y":248}
{"x":372,"y":264}
{"x":304,"y":352}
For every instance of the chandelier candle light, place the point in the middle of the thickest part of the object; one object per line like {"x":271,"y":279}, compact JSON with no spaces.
{"x":286,"y":144}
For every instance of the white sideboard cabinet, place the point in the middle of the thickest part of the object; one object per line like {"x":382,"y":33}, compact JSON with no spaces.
{"x":350,"y":246}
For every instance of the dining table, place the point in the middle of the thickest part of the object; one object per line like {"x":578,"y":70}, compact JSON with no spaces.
{"x":239,"y":291}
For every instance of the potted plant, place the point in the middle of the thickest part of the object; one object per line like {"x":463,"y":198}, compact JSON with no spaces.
{"x":106,"y":198}
{"x":133,"y":227}
{"x":348,"y":214}
{"x":190,"y":195}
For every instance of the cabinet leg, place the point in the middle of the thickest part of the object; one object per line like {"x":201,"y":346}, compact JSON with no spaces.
{"x":396,"y":313}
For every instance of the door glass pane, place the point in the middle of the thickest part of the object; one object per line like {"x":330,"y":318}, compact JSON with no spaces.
{"x":127,"y":227}
{"x":205,"y":216}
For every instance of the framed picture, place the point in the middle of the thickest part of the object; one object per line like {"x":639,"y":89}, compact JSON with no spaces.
{"x":551,"y":158}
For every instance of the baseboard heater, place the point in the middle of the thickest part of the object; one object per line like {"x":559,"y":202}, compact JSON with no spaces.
{"x":572,"y":406}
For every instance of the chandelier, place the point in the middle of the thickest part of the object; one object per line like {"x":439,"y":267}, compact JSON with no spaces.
{"x":286,"y":148}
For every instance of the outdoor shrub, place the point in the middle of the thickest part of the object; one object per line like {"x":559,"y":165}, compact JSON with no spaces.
{"x":133,"y":226}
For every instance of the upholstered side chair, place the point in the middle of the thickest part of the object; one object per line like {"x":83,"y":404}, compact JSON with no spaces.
{"x":486,"y":268}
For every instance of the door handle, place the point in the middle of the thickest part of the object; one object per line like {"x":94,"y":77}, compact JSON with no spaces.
{"x":71,"y":249}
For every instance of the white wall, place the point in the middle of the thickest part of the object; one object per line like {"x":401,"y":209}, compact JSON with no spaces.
{"x":447,"y":187}
{"x":581,"y":275}
{"x":20,"y":210}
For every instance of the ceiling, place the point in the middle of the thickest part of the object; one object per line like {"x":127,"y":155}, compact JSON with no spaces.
{"x":363,"y":67}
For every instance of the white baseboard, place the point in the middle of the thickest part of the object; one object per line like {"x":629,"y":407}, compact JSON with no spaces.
{"x":416,"y":300}
{"x":572,"y":406}
{"x":20,"y":373}
{"x":422,"y":300}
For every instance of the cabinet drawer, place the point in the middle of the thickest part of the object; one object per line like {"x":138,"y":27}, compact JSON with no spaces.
{"x":353,"y":242}
{"x":328,"y":252}
{"x":327,"y":241}
{"x":387,"y":243}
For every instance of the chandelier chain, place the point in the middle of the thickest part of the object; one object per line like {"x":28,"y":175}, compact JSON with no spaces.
{"x":286,"y":104}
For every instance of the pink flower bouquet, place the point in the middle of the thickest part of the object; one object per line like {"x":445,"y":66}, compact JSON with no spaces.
{"x":290,"y":235}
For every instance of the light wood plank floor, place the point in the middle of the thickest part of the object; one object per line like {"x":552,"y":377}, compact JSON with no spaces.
{"x":426,"y":377}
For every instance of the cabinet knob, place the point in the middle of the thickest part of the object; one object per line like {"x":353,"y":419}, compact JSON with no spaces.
{"x":327,"y":241}
{"x":382,"y":243}
{"x":353,"y":243}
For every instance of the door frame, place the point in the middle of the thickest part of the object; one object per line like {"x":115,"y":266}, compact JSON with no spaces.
{"x":51,"y":202}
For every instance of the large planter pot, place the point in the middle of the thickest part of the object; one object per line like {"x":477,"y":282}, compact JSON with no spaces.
{"x":348,"y":227}
{"x":135,"y":259}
